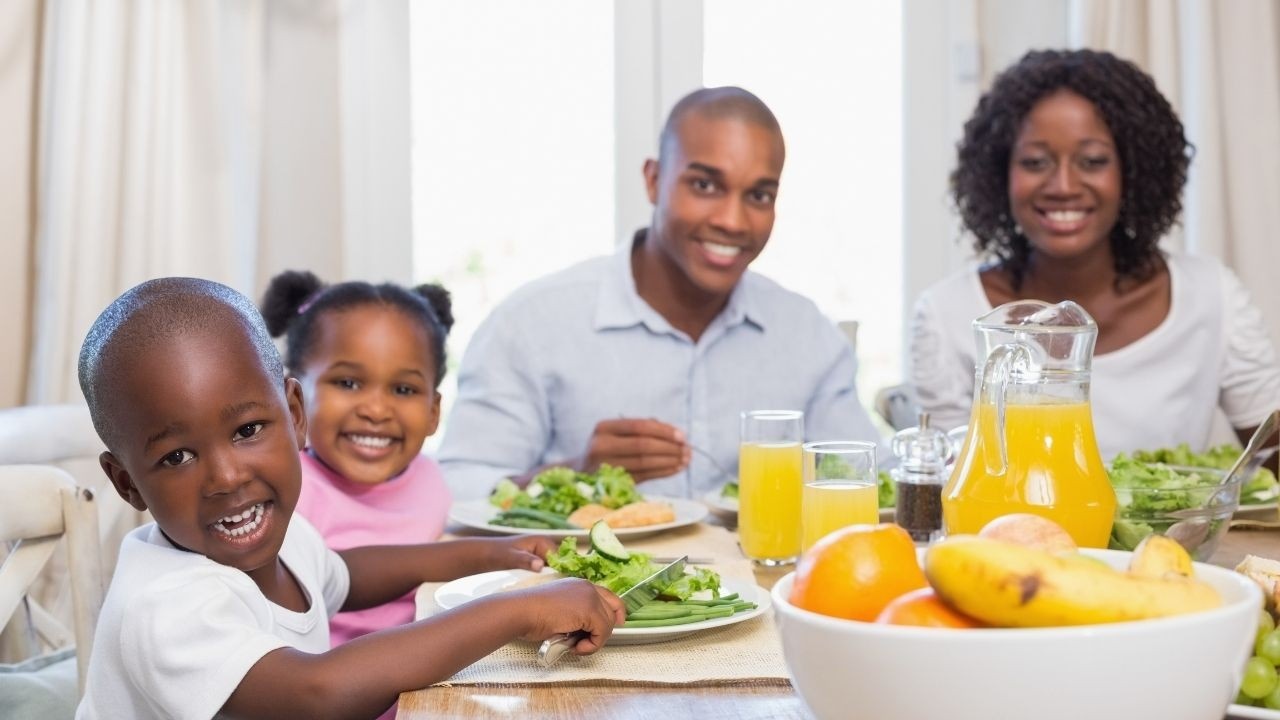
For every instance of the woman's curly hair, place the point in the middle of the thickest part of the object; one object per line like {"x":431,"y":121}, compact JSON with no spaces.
{"x":1154,"y":154}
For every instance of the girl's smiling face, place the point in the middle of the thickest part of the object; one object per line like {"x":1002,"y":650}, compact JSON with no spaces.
{"x":208,"y":442}
{"x":369,"y":384}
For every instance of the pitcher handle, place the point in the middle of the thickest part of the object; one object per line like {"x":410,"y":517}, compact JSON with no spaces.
{"x":996,"y":375}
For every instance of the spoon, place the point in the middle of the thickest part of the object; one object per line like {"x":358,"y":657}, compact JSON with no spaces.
{"x":1250,"y":459}
{"x":1191,"y":533}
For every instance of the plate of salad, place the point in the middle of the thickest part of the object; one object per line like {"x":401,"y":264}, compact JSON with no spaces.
{"x":698,"y":601}
{"x":561,"y":502}
{"x":725,"y":499}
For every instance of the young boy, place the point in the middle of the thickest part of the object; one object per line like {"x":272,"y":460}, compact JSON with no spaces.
{"x":221,"y":606}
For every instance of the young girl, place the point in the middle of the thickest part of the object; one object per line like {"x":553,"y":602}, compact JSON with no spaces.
{"x":370,"y":359}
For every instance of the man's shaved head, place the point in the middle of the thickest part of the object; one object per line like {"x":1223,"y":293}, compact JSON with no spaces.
{"x":149,"y":316}
{"x":719,"y":103}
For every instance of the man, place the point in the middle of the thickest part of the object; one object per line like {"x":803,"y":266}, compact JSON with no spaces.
{"x":647,"y":359}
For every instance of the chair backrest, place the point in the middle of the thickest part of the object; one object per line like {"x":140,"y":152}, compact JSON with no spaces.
{"x":40,"y":505}
{"x":61,"y":436}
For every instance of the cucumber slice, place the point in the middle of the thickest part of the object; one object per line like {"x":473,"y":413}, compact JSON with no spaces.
{"x":604,"y":542}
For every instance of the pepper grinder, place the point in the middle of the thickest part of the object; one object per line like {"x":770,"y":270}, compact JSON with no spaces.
{"x":923,"y":453}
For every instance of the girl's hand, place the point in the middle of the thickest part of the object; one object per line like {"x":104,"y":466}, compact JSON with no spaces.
{"x":522,"y":552}
{"x":572,"y":605}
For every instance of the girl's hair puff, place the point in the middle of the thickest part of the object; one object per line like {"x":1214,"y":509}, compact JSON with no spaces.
{"x":296,"y":299}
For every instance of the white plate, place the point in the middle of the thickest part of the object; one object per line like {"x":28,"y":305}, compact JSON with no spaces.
{"x":1252,"y":713}
{"x":1258,"y":507}
{"x":477,"y":514}
{"x":453,"y":594}
{"x":729,"y":505}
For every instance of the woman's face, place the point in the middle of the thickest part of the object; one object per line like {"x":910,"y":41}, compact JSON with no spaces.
{"x":1064,"y":177}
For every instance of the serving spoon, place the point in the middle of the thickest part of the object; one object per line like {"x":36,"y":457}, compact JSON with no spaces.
{"x":1192,"y":532}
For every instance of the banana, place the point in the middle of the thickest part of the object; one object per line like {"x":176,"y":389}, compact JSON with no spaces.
{"x":1158,"y":556}
{"x":1014,"y":586}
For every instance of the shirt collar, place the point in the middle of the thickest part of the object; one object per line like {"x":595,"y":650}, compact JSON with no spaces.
{"x":619,"y":305}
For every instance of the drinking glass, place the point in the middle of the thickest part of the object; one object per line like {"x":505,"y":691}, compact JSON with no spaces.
{"x":769,"y":485}
{"x":840,"y":488}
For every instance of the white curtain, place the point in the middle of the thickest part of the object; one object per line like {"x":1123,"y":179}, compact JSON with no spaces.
{"x":1219,"y":64}
{"x":227,"y":139}
{"x":147,"y":162}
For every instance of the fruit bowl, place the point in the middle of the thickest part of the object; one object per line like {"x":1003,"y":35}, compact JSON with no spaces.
{"x":1189,"y":504}
{"x":1173,"y":668}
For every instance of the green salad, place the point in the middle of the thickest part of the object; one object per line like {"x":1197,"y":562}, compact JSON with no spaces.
{"x":885,"y":490}
{"x":1151,"y":492}
{"x":693,"y":598}
{"x":555,"y":493}
{"x":621,"y":575}
{"x":1260,"y":488}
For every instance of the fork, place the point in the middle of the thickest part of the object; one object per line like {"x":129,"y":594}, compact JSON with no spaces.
{"x":711,"y":459}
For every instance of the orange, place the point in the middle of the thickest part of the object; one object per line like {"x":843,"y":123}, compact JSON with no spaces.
{"x":923,"y":608}
{"x":856,"y":571}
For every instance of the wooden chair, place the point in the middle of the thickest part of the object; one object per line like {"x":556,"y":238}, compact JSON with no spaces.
{"x":40,"y":505}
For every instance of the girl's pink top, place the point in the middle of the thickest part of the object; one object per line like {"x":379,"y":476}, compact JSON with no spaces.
{"x":410,"y":508}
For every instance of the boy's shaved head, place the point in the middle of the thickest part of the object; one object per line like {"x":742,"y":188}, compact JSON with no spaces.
{"x":144,"y":318}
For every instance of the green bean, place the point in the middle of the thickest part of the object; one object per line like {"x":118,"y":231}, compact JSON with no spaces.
{"x":697,"y":617}
{"x":649,"y":612}
{"x":552,"y":520}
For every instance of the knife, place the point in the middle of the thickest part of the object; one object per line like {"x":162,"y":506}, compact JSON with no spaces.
{"x":636,"y":597}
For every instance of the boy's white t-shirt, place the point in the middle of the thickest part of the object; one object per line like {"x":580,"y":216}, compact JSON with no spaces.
{"x":178,"y":631}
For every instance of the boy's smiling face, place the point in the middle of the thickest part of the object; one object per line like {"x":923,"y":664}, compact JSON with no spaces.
{"x":207,"y":440}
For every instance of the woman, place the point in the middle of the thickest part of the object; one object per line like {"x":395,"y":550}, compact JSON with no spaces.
{"x":1070,"y":171}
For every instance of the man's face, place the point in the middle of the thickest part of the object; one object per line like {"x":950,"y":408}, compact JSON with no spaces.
{"x":714,"y":197}
{"x":208,"y":442}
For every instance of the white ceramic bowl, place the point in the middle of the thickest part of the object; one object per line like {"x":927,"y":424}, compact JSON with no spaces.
{"x":1185,"y":667}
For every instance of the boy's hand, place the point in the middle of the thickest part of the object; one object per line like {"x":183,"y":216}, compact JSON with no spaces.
{"x":573,"y":605}
{"x":522,"y":552}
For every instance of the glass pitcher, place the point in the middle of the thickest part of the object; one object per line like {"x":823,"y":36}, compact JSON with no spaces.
{"x":1030,"y":446}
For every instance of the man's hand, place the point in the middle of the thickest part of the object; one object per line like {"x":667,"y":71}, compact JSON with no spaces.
{"x":646,"y":448}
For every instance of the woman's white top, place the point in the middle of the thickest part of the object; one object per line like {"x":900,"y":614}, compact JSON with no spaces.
{"x":1211,"y":351}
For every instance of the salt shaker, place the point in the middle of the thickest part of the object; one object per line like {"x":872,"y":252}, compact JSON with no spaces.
{"x":923,"y":453}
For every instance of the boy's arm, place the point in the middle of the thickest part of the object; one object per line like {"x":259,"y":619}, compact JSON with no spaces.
{"x":382,"y":573}
{"x":362,"y":678}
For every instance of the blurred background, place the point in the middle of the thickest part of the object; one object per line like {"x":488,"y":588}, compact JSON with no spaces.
{"x":484,"y":143}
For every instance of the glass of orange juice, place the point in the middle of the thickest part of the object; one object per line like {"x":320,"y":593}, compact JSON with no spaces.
{"x":839,"y":488}
{"x":769,"y":485}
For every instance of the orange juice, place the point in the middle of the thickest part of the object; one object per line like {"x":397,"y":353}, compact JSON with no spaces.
{"x":769,"y":500}
{"x":828,"y":505}
{"x":1054,"y":470}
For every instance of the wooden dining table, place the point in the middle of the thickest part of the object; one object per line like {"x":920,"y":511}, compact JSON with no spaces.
{"x":718,"y":702}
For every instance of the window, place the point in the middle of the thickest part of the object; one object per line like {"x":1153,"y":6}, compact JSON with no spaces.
{"x":832,"y":73}
{"x":512,"y":146}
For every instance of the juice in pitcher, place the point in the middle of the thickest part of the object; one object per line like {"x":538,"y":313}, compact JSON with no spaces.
{"x":1030,"y":446}
{"x":769,"y":501}
{"x":1053,"y":470}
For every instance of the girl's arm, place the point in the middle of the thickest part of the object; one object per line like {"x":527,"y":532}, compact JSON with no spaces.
{"x":382,"y":573}
{"x":362,"y":678}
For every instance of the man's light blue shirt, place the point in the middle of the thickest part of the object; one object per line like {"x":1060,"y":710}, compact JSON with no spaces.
{"x":580,"y":346}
